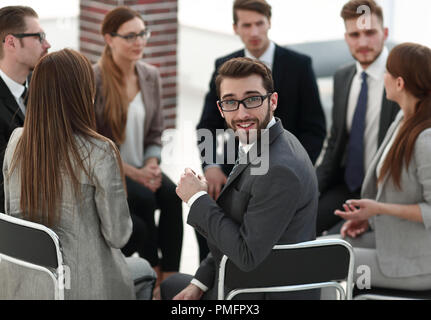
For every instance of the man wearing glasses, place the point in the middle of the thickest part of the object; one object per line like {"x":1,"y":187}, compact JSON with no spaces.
{"x":22,"y":44}
{"x":299,"y":107}
{"x":254,"y":212}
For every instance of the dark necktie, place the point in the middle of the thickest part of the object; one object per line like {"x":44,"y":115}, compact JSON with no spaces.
{"x":354,"y":174}
{"x":24,"y":95}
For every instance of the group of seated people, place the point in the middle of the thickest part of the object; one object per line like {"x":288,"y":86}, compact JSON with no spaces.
{"x":81,"y":153}
{"x":98,"y":135}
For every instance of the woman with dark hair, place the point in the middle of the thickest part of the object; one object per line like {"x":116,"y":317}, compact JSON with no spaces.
{"x":129,"y":111}
{"x":396,"y":195}
{"x":58,"y":171}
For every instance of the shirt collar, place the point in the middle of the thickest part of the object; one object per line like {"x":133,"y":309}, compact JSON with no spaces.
{"x":17,"y":89}
{"x":247,"y":147}
{"x":377,"y":69}
{"x":267,"y":57}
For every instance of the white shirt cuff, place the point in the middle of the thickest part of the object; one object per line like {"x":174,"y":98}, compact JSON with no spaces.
{"x":195,"y":197}
{"x":199,"y":284}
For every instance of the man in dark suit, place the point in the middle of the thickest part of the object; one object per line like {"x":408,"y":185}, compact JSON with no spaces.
{"x":361,"y":113}
{"x":299,"y":107}
{"x":22,"y":44}
{"x":270,"y":197}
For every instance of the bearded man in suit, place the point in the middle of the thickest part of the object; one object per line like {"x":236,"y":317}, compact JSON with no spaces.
{"x":269,"y":198}
{"x":299,"y":107}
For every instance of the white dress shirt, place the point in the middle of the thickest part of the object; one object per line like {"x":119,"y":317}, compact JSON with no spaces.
{"x":375,"y":72}
{"x":17,"y":89}
{"x":267,"y":57}
{"x":132,"y":149}
{"x":386,"y":151}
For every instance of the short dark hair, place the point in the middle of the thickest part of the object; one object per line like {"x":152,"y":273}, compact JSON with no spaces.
{"x":350,"y":9}
{"x":12,"y":21}
{"x":259,"y":6}
{"x":238,"y":68}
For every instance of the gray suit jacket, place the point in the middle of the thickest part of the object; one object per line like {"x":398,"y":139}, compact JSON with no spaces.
{"x":92,"y":229}
{"x":403,"y":247}
{"x":151,"y":89}
{"x":255,"y":212}
{"x":331,"y":171}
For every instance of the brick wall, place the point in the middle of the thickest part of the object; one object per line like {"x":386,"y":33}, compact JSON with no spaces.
{"x":160,"y":17}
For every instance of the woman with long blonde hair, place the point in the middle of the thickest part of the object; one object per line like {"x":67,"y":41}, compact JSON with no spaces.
{"x":129,"y":111}
{"x":60,"y":172}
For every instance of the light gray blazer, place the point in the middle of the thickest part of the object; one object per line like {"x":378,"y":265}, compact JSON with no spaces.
{"x":92,"y":229}
{"x":403,"y":247}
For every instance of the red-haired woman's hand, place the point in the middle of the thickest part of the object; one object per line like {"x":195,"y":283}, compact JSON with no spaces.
{"x":359,"y":210}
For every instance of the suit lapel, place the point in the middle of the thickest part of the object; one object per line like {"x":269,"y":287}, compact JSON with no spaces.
{"x":277,"y":68}
{"x":146,"y":86}
{"x":370,"y":182}
{"x":10,"y":103}
{"x":254,"y":154}
{"x":345,"y":95}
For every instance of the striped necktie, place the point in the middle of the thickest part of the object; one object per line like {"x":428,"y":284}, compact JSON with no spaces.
{"x":24,"y":95}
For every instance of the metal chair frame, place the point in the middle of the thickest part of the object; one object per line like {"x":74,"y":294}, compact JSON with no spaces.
{"x":56,"y":273}
{"x":344,"y":293}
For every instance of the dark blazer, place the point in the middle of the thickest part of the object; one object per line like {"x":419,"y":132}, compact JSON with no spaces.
{"x":11,"y":117}
{"x":256,"y":212}
{"x":299,"y":106}
{"x":331,"y":171}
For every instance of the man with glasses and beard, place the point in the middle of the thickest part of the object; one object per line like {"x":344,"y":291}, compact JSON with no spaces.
{"x":22,"y":44}
{"x":260,"y":205}
{"x":299,"y":107}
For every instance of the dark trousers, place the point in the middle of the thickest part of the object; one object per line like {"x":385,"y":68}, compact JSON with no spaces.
{"x":173,"y":285}
{"x":147,"y":238}
{"x":329,"y":201}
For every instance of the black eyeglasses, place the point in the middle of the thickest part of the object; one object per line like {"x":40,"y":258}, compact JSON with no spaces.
{"x":248,"y":103}
{"x":131,"y":37}
{"x":41,"y":35}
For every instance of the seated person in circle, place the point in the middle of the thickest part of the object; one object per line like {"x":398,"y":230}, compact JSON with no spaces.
{"x":129,"y":112}
{"x":59,"y":172}
{"x":396,"y":195}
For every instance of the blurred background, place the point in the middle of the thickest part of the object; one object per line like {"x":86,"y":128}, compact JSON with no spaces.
{"x":203,"y":32}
